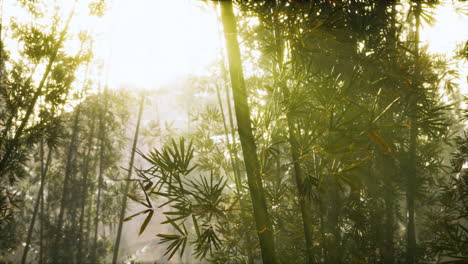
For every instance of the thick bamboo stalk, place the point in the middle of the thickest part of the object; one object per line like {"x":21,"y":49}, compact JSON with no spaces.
{"x":236,"y":172}
{"x":249,"y":149}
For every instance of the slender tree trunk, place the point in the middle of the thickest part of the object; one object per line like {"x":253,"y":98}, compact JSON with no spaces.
{"x":389,"y":167}
{"x":336,"y":211}
{"x":249,"y":149}
{"x":47,"y":252}
{"x":305,"y":203}
{"x":41,"y":234}
{"x":236,"y":173}
{"x":232,"y":129}
{"x":84,"y":191}
{"x":411,"y":185}
{"x":66,"y":181}
{"x":235,"y":169}
{"x":38,"y":200}
{"x":102,"y":129}
{"x":321,"y":209}
{"x":88,"y":245}
{"x":127,"y":183}
{"x":386,"y":170}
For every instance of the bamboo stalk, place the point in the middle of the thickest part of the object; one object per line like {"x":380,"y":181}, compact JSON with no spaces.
{"x":66,"y":182}
{"x":102,"y":129}
{"x":241,"y":106}
{"x":85,"y":191}
{"x":127,"y":183}
{"x":411,"y":186}
{"x":38,"y":199}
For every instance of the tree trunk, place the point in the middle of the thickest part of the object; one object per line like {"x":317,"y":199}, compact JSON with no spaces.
{"x":127,"y":183}
{"x":236,"y":161}
{"x":236,"y":172}
{"x":387,"y":170}
{"x":262,"y":218}
{"x":390,"y":168}
{"x":88,"y":245}
{"x":102,"y":128}
{"x":38,"y":200}
{"x":66,"y":181}
{"x":305,"y":203}
{"x":411,"y":185}
{"x":41,"y":234}
{"x":84,"y":192}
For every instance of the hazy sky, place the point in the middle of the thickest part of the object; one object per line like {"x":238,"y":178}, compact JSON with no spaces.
{"x":149,"y":43}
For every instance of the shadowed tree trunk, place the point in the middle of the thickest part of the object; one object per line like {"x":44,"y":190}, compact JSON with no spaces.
{"x":249,"y":149}
{"x":411,"y":184}
{"x":41,"y":232}
{"x":44,"y":170}
{"x":84,"y":191}
{"x":66,"y":181}
{"x":304,"y":200}
{"x":87,"y":237}
{"x":127,"y":183}
{"x":389,"y":166}
{"x":387,"y":171}
{"x":102,"y":131}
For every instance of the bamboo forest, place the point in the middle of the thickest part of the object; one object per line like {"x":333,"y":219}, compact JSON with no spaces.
{"x":234,"y":131}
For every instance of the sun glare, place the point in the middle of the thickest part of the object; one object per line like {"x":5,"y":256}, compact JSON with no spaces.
{"x":448,"y":31}
{"x":147,"y":43}
{"x":142,"y":43}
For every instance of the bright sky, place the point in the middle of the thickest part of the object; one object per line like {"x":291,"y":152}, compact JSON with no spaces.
{"x":443,"y":37}
{"x":449,"y":29}
{"x":153,"y":42}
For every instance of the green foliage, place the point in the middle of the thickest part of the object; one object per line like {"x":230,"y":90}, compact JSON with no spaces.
{"x":445,"y":231}
{"x":199,"y":201}
{"x":349,"y":124}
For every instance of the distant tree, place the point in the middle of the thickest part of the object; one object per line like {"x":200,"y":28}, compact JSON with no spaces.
{"x":445,"y":229}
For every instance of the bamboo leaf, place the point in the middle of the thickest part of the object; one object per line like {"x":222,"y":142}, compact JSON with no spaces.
{"x":142,"y":212}
{"x":195,"y":224}
{"x":173,"y":219}
{"x":170,"y":237}
{"x":379,"y":141}
{"x":145,"y":223}
{"x":138,"y":201}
